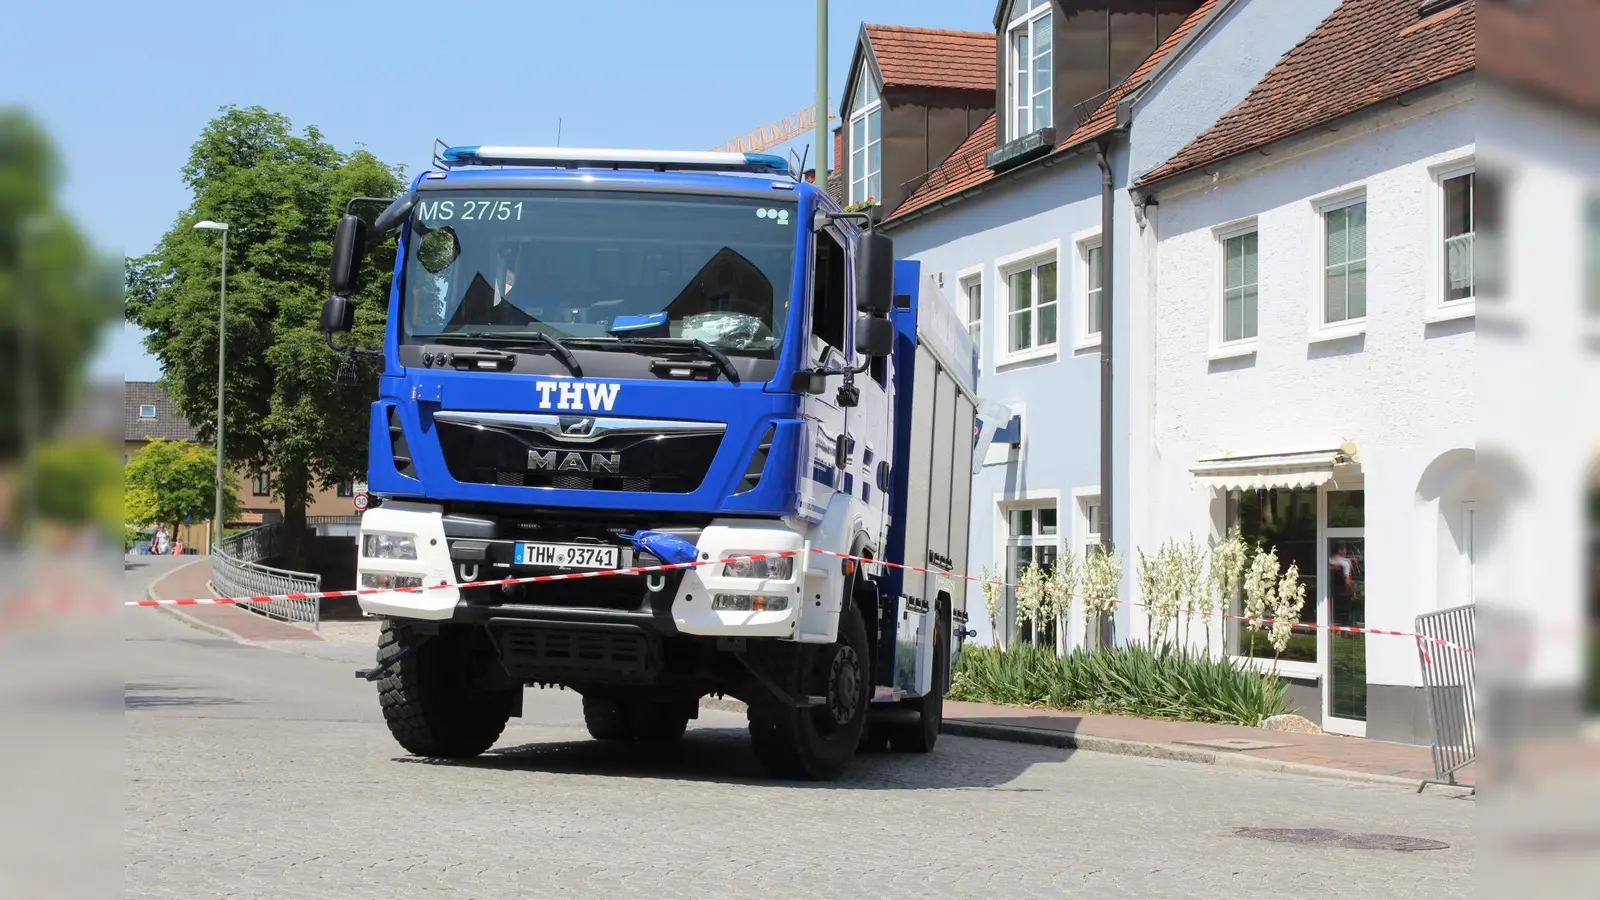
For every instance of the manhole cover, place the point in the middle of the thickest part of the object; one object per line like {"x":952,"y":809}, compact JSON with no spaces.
{"x":1234,"y":744}
{"x":1328,"y":837}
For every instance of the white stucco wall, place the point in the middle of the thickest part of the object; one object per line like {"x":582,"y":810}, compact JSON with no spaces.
{"x":1402,"y":391}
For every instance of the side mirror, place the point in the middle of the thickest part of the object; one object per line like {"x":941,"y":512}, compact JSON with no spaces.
{"x":874,"y":273}
{"x":395,"y":213}
{"x":874,"y":337}
{"x":338,"y":315}
{"x":349,"y":245}
{"x":809,"y":381}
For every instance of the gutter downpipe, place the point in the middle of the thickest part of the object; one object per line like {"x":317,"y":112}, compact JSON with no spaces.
{"x":1107,"y":221}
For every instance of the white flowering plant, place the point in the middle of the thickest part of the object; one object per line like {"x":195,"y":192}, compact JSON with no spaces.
{"x":993,"y":598}
{"x":1032,"y":587}
{"x":1286,"y":608}
{"x":1063,"y":585}
{"x":1226,"y":577}
{"x":1102,"y":574}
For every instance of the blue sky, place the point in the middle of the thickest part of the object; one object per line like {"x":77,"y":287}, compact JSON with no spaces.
{"x":124,"y":88}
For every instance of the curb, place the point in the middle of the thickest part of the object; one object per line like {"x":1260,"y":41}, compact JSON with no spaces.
{"x":1068,"y":741}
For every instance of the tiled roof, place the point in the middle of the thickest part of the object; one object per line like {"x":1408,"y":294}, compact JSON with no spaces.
{"x":965,"y":168}
{"x":1545,"y":49}
{"x":933,"y":58}
{"x":1364,"y":52}
{"x":168,"y":423}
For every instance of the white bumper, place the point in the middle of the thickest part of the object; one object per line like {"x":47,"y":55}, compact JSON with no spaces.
{"x":423,"y":522}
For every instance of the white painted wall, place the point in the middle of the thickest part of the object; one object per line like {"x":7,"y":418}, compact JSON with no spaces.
{"x":1403,"y":390}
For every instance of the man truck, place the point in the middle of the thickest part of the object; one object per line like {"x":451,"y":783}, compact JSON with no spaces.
{"x":694,"y":379}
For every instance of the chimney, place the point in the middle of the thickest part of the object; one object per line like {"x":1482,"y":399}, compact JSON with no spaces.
{"x":838,"y":148}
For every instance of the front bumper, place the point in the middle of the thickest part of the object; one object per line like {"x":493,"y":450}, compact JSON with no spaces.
{"x":678,"y":602}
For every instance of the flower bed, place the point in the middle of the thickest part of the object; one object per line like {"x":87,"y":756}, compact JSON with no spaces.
{"x":1129,"y":680}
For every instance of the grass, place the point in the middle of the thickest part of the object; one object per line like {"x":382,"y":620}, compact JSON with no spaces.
{"x":1130,"y":680}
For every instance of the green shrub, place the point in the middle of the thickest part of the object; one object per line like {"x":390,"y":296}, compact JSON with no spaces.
{"x":1129,"y":680}
{"x":1592,"y":700}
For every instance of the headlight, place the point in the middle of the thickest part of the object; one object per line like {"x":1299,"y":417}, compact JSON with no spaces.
{"x":388,"y":546}
{"x":780,"y":568}
{"x":749,"y":603}
{"x":383,"y":581}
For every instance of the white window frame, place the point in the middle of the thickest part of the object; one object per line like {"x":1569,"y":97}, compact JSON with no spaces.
{"x":1019,"y":118}
{"x":1082,"y":536}
{"x":1320,"y":328}
{"x":1004,"y":268}
{"x":1083,"y":242}
{"x":1438,"y":308}
{"x":1004,"y":505}
{"x":147,"y":415}
{"x":1220,"y":347}
{"x":869,"y":114}
{"x":966,"y":279}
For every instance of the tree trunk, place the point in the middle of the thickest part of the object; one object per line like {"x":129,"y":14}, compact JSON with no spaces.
{"x":292,"y":537}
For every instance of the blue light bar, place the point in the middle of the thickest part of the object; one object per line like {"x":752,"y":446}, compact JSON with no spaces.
{"x":588,"y":158}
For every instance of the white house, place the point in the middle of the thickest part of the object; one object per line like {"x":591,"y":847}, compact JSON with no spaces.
{"x":1308,"y":300}
{"x":1010,"y":219}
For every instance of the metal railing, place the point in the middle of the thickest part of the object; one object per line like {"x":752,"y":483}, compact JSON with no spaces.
{"x":1449,"y":681}
{"x":236,"y":571}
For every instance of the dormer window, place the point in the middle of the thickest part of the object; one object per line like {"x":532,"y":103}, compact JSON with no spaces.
{"x":1029,"y":39}
{"x":866,"y":134}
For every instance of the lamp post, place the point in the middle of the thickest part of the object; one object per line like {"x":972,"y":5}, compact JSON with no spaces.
{"x":821,"y":137}
{"x":222,"y":340}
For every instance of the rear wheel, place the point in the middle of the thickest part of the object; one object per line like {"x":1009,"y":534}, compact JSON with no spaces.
{"x":815,"y":743}
{"x":431,"y":699}
{"x":607,"y":719}
{"x":651,"y":721}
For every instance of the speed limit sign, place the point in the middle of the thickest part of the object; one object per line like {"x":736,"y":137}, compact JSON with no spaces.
{"x":361,"y":502}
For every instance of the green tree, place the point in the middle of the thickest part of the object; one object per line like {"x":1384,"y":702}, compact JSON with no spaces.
{"x":57,"y":294}
{"x":281,"y":194}
{"x":170,"y":481}
{"x":74,"y":482}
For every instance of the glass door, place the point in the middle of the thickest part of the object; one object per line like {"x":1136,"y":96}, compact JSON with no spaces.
{"x":1344,"y":549}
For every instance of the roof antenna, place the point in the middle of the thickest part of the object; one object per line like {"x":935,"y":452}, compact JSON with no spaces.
{"x":797,"y":162}
{"x":558,"y":131}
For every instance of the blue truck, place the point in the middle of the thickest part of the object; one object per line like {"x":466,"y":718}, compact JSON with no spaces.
{"x":695,"y":379}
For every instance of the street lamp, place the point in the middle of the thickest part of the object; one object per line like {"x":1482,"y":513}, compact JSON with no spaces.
{"x":222,"y":335}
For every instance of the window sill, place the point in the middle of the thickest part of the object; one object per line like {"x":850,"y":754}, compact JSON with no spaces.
{"x":1237,"y":350}
{"x":1048,"y":351}
{"x":1087,"y":343}
{"x":1300,"y":671}
{"x":1339,"y":332}
{"x":1450,"y":312}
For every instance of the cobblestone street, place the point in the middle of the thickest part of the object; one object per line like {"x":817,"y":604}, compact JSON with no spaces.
{"x":258,"y":773}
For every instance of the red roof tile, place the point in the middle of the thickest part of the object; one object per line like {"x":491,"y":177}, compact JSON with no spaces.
{"x":1545,"y":49}
{"x":1364,"y":52}
{"x":965,"y":168}
{"x":935,"y":58}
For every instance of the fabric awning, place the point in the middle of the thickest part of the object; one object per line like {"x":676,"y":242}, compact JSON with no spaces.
{"x":1286,"y":469}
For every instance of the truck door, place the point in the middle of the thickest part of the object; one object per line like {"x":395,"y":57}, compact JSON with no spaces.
{"x":869,"y":433}
{"x":828,"y":343}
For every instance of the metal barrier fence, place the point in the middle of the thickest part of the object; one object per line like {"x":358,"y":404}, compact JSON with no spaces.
{"x":1449,"y":680}
{"x":236,"y":571}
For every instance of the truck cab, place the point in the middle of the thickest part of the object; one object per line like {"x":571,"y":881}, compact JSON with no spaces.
{"x":643,"y":422}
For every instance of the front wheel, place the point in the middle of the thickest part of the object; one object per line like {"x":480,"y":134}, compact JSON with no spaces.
{"x":429,"y":699}
{"x":816,"y":743}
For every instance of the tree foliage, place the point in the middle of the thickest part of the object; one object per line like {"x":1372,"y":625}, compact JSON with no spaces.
{"x":168,"y":482}
{"x":281,"y":193}
{"x":57,"y":294}
{"x":74,"y":482}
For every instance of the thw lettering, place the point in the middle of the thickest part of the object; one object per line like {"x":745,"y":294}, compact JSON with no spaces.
{"x":577,"y":396}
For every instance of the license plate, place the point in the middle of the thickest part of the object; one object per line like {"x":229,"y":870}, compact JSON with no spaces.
{"x":567,"y":556}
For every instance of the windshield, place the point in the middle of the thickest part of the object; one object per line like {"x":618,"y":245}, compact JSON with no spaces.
{"x":600,"y":264}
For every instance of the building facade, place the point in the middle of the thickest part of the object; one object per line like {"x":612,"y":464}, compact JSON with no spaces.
{"x":1309,"y":278}
{"x":1010,"y":225}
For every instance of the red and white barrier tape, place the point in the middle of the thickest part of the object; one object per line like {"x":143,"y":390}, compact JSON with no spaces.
{"x":672,"y":567}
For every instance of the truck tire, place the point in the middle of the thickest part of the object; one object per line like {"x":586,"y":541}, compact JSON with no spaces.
{"x":427,"y":702}
{"x":919,"y":737}
{"x":816,"y":743}
{"x":607,"y":719}
{"x":656,"y":722}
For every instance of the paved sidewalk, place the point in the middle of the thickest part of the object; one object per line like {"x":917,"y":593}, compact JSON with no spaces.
{"x":1325,"y":755}
{"x":191,"y":581}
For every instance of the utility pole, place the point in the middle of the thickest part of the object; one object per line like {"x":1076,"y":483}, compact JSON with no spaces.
{"x":222,"y":342}
{"x":822,"y":96}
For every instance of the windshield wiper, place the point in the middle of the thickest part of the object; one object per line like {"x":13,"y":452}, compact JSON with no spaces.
{"x":524,"y":339}
{"x":721,"y":359}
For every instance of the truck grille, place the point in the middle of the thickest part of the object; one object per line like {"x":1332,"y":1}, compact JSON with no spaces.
{"x":557,"y":652}
{"x":642,"y":463}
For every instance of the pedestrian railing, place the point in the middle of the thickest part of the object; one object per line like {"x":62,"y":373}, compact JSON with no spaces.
{"x":236,"y":571}
{"x":1449,"y":680}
